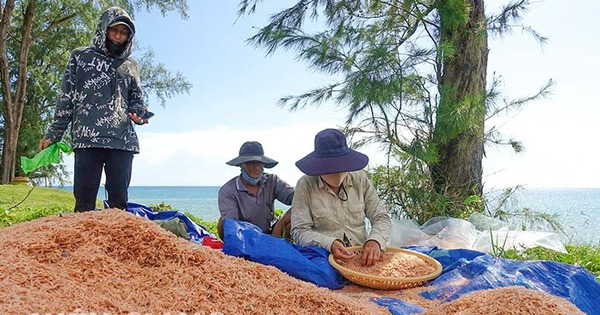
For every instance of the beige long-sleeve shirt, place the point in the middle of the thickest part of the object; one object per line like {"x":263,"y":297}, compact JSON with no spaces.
{"x":319,"y":216}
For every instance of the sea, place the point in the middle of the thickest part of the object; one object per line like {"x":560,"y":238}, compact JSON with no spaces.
{"x":576,"y":209}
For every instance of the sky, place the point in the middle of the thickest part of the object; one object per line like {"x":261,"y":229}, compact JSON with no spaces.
{"x":236,"y":87}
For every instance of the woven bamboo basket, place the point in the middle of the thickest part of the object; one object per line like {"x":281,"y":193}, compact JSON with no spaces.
{"x":386,"y":283}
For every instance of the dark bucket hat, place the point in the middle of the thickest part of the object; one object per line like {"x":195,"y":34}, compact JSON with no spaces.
{"x":252,"y":151}
{"x":331,"y":155}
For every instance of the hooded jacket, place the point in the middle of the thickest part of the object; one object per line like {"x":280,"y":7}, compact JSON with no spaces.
{"x":98,"y":91}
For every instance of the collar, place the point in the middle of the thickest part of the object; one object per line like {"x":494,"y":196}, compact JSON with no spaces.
{"x":347,"y":182}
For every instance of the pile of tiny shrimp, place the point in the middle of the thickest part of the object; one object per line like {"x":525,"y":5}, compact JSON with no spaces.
{"x":392,"y":265}
{"x":514,"y":300}
{"x":112,"y":262}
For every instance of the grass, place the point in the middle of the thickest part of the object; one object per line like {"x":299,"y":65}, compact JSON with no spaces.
{"x":11,"y":195}
{"x":20,"y":203}
{"x":586,"y":256}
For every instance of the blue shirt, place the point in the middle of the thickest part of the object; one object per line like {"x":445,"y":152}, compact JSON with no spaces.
{"x":236,"y":202}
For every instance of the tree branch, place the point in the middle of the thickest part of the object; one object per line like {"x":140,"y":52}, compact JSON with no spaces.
{"x":23,"y":200}
{"x":52,"y":25}
{"x":4,"y":66}
{"x":24,"y":55}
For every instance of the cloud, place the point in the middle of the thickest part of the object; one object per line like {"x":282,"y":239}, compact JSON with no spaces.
{"x":197,"y":157}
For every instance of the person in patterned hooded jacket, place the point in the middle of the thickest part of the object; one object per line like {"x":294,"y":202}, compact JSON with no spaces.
{"x":101,"y":97}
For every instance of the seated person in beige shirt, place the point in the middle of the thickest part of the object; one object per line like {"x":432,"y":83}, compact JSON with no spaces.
{"x":333,"y":199}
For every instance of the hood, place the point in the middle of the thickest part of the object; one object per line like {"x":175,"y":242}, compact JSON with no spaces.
{"x":111,"y":15}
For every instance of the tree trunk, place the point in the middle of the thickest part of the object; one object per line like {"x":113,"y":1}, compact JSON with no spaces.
{"x":13,"y":105}
{"x":9,"y":154}
{"x":459,"y":129}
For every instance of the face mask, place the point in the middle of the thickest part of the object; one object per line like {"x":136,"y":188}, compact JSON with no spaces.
{"x":250,"y":180}
{"x":115,"y":49}
{"x":334,"y":180}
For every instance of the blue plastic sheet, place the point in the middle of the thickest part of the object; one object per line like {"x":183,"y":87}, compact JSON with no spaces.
{"x":195,"y":231}
{"x":397,"y":306}
{"x":244,"y":239}
{"x":477,"y":270}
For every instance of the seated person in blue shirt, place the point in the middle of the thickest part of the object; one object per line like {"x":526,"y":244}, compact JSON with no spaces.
{"x":251,"y":195}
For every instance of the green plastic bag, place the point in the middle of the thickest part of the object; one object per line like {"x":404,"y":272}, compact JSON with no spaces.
{"x":50,"y":155}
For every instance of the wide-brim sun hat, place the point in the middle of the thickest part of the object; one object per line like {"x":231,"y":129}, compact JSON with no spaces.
{"x":331,"y":155}
{"x":252,"y":151}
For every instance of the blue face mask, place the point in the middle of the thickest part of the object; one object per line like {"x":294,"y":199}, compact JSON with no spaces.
{"x":250,"y":180}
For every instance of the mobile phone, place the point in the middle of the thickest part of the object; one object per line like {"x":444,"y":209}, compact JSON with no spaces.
{"x":147,"y":115}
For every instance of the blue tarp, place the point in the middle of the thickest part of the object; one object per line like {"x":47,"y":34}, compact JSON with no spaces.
{"x":195,"y":231}
{"x":243,"y":239}
{"x":479,"y":271}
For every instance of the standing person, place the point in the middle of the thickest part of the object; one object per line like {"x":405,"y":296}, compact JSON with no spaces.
{"x":333,"y":199}
{"x":100,"y":96}
{"x":251,"y":195}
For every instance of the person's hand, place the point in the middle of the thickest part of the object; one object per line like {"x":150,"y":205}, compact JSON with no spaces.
{"x":371,"y":253}
{"x":137,"y":119}
{"x":44,"y":143}
{"x":340,"y":252}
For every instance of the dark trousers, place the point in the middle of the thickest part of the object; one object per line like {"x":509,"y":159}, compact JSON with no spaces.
{"x":88,"y":173}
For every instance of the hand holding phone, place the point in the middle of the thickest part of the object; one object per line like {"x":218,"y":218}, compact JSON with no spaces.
{"x":141,"y":120}
{"x":147,"y":115}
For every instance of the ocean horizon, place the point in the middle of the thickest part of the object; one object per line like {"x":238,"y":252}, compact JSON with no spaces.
{"x":577,"y":209}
